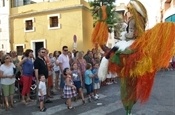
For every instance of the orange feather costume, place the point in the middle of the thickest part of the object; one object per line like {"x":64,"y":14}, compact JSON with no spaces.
{"x":150,"y":51}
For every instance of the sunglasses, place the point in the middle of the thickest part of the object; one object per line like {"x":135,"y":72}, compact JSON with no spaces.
{"x":65,"y":50}
{"x":42,"y":52}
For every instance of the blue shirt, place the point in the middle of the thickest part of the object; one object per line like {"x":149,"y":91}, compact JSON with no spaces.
{"x":88,"y":79}
{"x":27,"y":67}
{"x":96,"y":79}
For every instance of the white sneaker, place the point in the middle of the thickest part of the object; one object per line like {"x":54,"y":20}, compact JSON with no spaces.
{"x":97,"y":96}
{"x":110,"y":83}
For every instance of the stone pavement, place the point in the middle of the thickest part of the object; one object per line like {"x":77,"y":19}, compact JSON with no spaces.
{"x":161,"y":102}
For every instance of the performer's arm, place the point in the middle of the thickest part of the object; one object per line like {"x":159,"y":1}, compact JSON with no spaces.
{"x":131,"y":30}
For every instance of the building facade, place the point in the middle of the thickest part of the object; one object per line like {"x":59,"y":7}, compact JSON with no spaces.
{"x":4,"y":25}
{"x":168,"y":10}
{"x":51,"y":24}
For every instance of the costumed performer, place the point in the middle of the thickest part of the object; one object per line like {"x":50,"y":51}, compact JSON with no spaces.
{"x":137,"y":58}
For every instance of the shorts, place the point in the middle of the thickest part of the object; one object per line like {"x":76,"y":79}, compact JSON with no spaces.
{"x":57,"y":72}
{"x":96,"y":85}
{"x":8,"y":89}
{"x":57,"y":75}
{"x":89,"y":88}
{"x":41,"y":98}
{"x":77,"y":84}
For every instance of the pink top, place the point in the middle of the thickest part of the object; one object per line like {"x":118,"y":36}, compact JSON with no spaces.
{"x":81,"y":63}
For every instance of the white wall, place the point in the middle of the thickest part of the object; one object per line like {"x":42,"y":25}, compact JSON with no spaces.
{"x":4,"y":25}
{"x":168,"y":13}
{"x":37,"y":1}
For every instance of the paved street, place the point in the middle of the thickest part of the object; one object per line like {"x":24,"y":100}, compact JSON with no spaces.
{"x":161,"y":102}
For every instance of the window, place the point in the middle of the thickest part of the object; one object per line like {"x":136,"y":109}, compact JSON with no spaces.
{"x":54,"y":22}
{"x":2,"y":46}
{"x":3,"y":3}
{"x":29,"y":25}
{"x":25,"y":2}
{"x":19,"y":50}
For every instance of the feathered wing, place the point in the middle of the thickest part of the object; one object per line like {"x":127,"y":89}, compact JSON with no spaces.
{"x":152,"y":51}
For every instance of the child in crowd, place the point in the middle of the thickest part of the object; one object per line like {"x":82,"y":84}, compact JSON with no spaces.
{"x":108,"y":78}
{"x":111,"y":78}
{"x":42,"y":92}
{"x":69,"y":88}
{"x":96,"y":80}
{"x":88,"y":81}
{"x":77,"y":79}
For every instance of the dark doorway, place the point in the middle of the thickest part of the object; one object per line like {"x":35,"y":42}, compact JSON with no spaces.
{"x":38,"y":45}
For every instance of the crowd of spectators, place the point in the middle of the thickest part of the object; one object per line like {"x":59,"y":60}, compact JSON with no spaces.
{"x":66,"y":72}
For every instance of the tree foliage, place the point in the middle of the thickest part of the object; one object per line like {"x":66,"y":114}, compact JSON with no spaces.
{"x":112,"y":16}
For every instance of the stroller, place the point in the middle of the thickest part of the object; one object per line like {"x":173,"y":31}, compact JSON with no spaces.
{"x":19,"y":86}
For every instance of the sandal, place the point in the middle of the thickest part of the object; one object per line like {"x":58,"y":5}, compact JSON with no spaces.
{"x":83,"y":102}
{"x":43,"y":109}
{"x":24,"y":102}
{"x":12,"y":105}
{"x":70,"y":107}
{"x":75,"y":99}
{"x":50,"y":96}
{"x":7,"y":107}
{"x":30,"y":100}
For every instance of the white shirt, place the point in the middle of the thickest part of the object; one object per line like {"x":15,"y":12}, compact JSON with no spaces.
{"x":7,"y":71}
{"x":64,"y":59}
{"x":56,"y":67}
{"x":42,"y":87}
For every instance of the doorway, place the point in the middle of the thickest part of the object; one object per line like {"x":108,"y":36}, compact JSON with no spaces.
{"x":36,"y":45}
